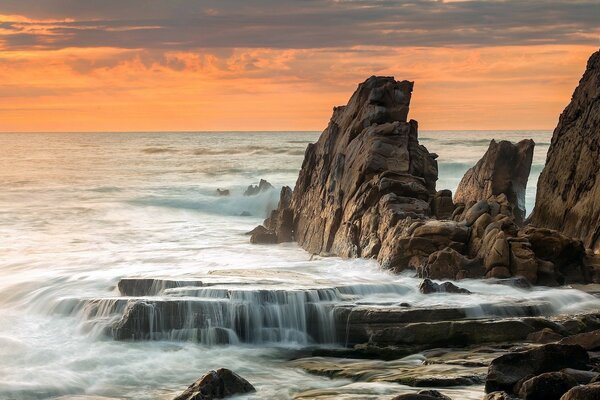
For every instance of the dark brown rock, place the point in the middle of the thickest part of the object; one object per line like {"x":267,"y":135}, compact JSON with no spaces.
{"x":568,"y":190}
{"x":505,"y":371}
{"x":546,"y":386}
{"x":450,"y":264}
{"x":587,"y":392}
{"x":504,"y":169}
{"x":544,"y":336}
{"x":498,"y":396}
{"x":581,"y":376}
{"x":262,"y":235}
{"x":423,"y":395}
{"x":442,"y":206}
{"x":217,"y":384}
{"x":428,"y":287}
{"x":253,"y":190}
{"x":589,"y":340}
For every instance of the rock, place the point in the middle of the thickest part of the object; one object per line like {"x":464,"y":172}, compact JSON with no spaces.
{"x":281,"y":220}
{"x":544,"y":336}
{"x":582,"y":377}
{"x":442,"y":206}
{"x":364,"y":177}
{"x":568,"y":190}
{"x":224,"y":192}
{"x":504,"y":169}
{"x":505,"y":371}
{"x":587,"y":392}
{"x":428,"y":286}
{"x":450,"y":264}
{"x":589,"y":340}
{"x":498,"y":396}
{"x":546,"y":386}
{"x":423,"y":395}
{"x":217,"y":384}
{"x":262,"y":235}
{"x":262,"y":186}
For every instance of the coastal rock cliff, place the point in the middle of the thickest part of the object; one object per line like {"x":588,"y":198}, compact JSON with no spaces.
{"x":504,"y":169}
{"x":367,"y":189}
{"x":366,"y":173}
{"x":568,"y":191}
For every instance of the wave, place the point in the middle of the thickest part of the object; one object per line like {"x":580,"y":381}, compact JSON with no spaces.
{"x":251,"y":150}
{"x":158,"y":150}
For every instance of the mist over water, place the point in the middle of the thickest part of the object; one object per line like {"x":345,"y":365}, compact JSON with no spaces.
{"x":78,"y":212}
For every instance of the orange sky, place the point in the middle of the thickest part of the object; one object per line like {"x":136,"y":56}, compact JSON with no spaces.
{"x":97,"y":87}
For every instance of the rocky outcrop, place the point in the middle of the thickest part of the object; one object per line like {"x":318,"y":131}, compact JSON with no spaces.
{"x":217,"y":384}
{"x":568,"y":191}
{"x":367,"y":189}
{"x":253,"y":190}
{"x":428,"y":287}
{"x":504,"y":169}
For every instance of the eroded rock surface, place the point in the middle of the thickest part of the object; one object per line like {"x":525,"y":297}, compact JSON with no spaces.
{"x":568,"y":191}
{"x":218,"y":384}
{"x":504,"y":169}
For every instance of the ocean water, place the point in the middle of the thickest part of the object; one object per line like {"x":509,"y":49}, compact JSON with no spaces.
{"x":78,"y":212}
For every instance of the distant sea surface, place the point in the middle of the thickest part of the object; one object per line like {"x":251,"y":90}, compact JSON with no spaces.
{"x":79,"y":211}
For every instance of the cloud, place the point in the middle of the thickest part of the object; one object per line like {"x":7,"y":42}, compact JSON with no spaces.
{"x":300,"y":24}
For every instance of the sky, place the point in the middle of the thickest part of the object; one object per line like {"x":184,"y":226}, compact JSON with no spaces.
{"x":193,"y":65}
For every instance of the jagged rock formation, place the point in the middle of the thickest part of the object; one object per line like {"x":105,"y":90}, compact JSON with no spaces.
{"x":218,"y":384}
{"x":568,"y":191}
{"x":367,"y":189}
{"x":253,"y":190}
{"x":504,"y":169}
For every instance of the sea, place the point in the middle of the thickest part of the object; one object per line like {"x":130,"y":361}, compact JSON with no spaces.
{"x":80,"y":211}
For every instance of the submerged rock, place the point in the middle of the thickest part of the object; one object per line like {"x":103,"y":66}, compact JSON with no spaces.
{"x":504,"y":169}
{"x":423,"y":395}
{"x":568,"y":190}
{"x":428,"y":286}
{"x":217,"y":384}
{"x":223,"y":192}
{"x":262,"y":186}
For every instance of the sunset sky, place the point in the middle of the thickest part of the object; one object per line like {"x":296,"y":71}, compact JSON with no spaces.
{"x":154,"y":65}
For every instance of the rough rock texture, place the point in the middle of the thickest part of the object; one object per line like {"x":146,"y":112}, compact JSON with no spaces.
{"x":504,"y":169}
{"x":253,"y":190}
{"x":428,"y":286}
{"x":587,"y":392}
{"x":568,"y":191}
{"x":547,"y":386}
{"x":589,"y":340}
{"x":423,"y":395}
{"x":507,"y":370}
{"x":217,"y":384}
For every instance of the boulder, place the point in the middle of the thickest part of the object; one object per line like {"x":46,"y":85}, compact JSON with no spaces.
{"x":546,"y":386}
{"x":428,"y":286}
{"x":253,"y":190}
{"x":544,"y":336}
{"x":262,"y":235}
{"x":217,"y":384}
{"x":581,"y":376}
{"x":587,"y":392}
{"x":589,"y":340}
{"x":498,"y":396}
{"x":568,"y":190}
{"x":423,"y":395}
{"x":442,"y":206}
{"x":505,"y":371}
{"x":450,"y":264}
{"x":503,"y":169}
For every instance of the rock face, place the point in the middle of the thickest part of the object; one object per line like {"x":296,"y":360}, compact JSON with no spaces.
{"x":253,"y":190}
{"x":568,"y":191}
{"x":367,"y":189}
{"x":504,"y":169}
{"x":217,"y":384}
{"x":508,"y":370}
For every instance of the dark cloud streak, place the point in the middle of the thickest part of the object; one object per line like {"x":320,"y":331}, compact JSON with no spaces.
{"x":190,"y":24}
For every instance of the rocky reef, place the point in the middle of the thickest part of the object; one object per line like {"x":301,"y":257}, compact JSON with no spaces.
{"x":568,"y":191}
{"x":367,"y":188}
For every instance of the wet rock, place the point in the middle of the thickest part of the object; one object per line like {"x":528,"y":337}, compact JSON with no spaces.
{"x":151,"y":286}
{"x":428,"y":286}
{"x":517,"y":282}
{"x":423,"y":395}
{"x":218,"y":384}
{"x":587,"y":392}
{"x":505,"y":371}
{"x":253,"y":190}
{"x":450,"y":264}
{"x":504,"y":169}
{"x":581,"y":376}
{"x":589,"y":340}
{"x":223,"y":192}
{"x":498,"y":396}
{"x":568,"y":190}
{"x":546,"y":386}
{"x":544,"y":336}
{"x":281,"y":220}
{"x":262,"y":235}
